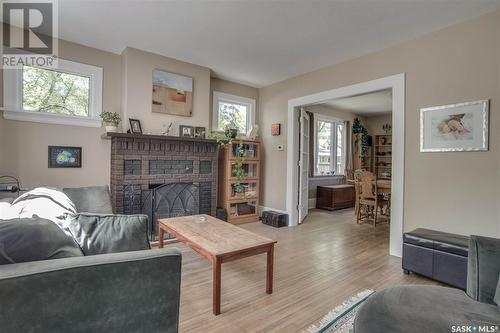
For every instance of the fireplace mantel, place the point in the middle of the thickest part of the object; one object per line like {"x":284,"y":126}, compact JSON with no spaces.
{"x":110,"y":135}
{"x":143,"y":163}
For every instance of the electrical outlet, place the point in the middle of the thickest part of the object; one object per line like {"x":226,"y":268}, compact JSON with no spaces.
{"x":280,"y":147}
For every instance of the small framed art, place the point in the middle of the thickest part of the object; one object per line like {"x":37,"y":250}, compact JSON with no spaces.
{"x":186,"y":131}
{"x":65,"y":157}
{"x":135,"y":126}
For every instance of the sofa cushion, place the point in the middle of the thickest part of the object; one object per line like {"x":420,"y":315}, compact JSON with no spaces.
{"x":497,"y":293}
{"x":8,"y":200}
{"x":416,"y":309}
{"x":92,"y":199}
{"x":98,"y":234}
{"x":483,"y":268}
{"x":33,"y":239}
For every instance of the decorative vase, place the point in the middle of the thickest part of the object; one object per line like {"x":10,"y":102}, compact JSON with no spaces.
{"x":111,"y":128}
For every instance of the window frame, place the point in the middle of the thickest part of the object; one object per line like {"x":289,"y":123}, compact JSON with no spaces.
{"x":333,"y":147}
{"x":13,"y":96}
{"x":235,"y":99}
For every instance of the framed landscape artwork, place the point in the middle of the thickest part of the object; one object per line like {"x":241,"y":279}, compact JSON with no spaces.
{"x":172,"y":93}
{"x":65,"y":157}
{"x":455,"y":127}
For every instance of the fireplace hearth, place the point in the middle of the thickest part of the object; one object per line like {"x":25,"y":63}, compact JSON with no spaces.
{"x":163,"y":176}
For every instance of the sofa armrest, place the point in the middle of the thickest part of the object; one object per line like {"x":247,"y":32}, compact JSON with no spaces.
{"x":119,"y":292}
{"x":483,"y":268}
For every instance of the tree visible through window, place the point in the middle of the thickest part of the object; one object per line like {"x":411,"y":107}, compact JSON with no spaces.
{"x":232,"y":114}
{"x":51,"y":91}
{"x":329,"y":148}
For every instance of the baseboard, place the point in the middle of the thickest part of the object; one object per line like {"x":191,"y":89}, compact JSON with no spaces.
{"x":312,"y":203}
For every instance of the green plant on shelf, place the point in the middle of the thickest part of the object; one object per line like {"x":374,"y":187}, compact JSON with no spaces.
{"x":225,"y":139}
{"x":358,"y":128}
{"x":239,"y":171}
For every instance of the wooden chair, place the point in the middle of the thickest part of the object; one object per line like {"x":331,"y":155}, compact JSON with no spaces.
{"x":369,"y":200}
{"x":357,"y":183}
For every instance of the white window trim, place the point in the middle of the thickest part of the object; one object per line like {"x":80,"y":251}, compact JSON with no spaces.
{"x":333,"y":149}
{"x":224,"y":97}
{"x":13,"y":96}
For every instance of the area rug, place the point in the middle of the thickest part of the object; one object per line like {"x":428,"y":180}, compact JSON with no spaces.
{"x":340,"y":319}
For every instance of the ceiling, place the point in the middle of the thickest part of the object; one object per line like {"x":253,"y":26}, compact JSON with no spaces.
{"x":366,"y":105}
{"x":259,"y":42}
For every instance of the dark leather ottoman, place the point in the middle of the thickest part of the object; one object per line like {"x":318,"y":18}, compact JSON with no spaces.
{"x":438,"y":255}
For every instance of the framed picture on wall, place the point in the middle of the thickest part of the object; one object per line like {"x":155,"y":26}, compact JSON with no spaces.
{"x":275,"y":129}
{"x":455,"y":127}
{"x":172,"y":93}
{"x":65,"y":157}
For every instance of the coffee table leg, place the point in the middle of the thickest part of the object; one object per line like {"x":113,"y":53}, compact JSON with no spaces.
{"x":269,"y":277}
{"x":216,"y":285}
{"x":161,"y":235}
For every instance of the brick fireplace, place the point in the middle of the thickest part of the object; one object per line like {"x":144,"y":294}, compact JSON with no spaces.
{"x":163,"y":176}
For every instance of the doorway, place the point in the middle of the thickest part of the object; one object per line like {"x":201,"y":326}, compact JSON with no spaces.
{"x":397,"y":85}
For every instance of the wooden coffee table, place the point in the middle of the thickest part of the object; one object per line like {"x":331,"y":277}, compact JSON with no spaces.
{"x":219,"y":242}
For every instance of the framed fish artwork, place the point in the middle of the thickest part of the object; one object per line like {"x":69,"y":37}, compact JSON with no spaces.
{"x":65,"y":157}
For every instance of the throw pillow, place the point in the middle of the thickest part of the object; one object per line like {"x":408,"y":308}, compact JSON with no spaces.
{"x":92,"y":199}
{"x":47,"y":203}
{"x":99,"y":234}
{"x":32,"y":239}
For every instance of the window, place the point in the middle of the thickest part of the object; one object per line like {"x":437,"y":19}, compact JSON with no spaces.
{"x":231,"y":110}
{"x":70,"y":94}
{"x":329,"y":147}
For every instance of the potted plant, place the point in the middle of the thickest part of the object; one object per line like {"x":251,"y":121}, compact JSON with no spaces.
{"x":231,"y":131}
{"x":358,"y":128}
{"x":111,"y":120}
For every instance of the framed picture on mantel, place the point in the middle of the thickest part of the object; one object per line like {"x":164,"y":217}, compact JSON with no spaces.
{"x":455,"y":127}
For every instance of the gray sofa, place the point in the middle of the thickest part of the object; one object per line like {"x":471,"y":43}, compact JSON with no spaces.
{"x":116,"y":284}
{"x":439,"y":309}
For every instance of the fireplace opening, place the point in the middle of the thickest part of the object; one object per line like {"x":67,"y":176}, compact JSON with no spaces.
{"x":170,"y":200}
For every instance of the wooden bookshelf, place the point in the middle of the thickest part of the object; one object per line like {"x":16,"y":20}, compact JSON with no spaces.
{"x":240,"y":198}
{"x":383,"y":156}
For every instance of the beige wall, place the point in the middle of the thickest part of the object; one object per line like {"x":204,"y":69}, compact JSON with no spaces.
{"x":233,"y":88}
{"x":138,"y":69}
{"x":332,"y":112}
{"x":127,"y":90}
{"x":456,"y":192}
{"x":23,"y":145}
{"x":374,"y":124}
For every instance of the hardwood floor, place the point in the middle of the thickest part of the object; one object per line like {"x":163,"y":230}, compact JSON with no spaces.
{"x":317,"y":266}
